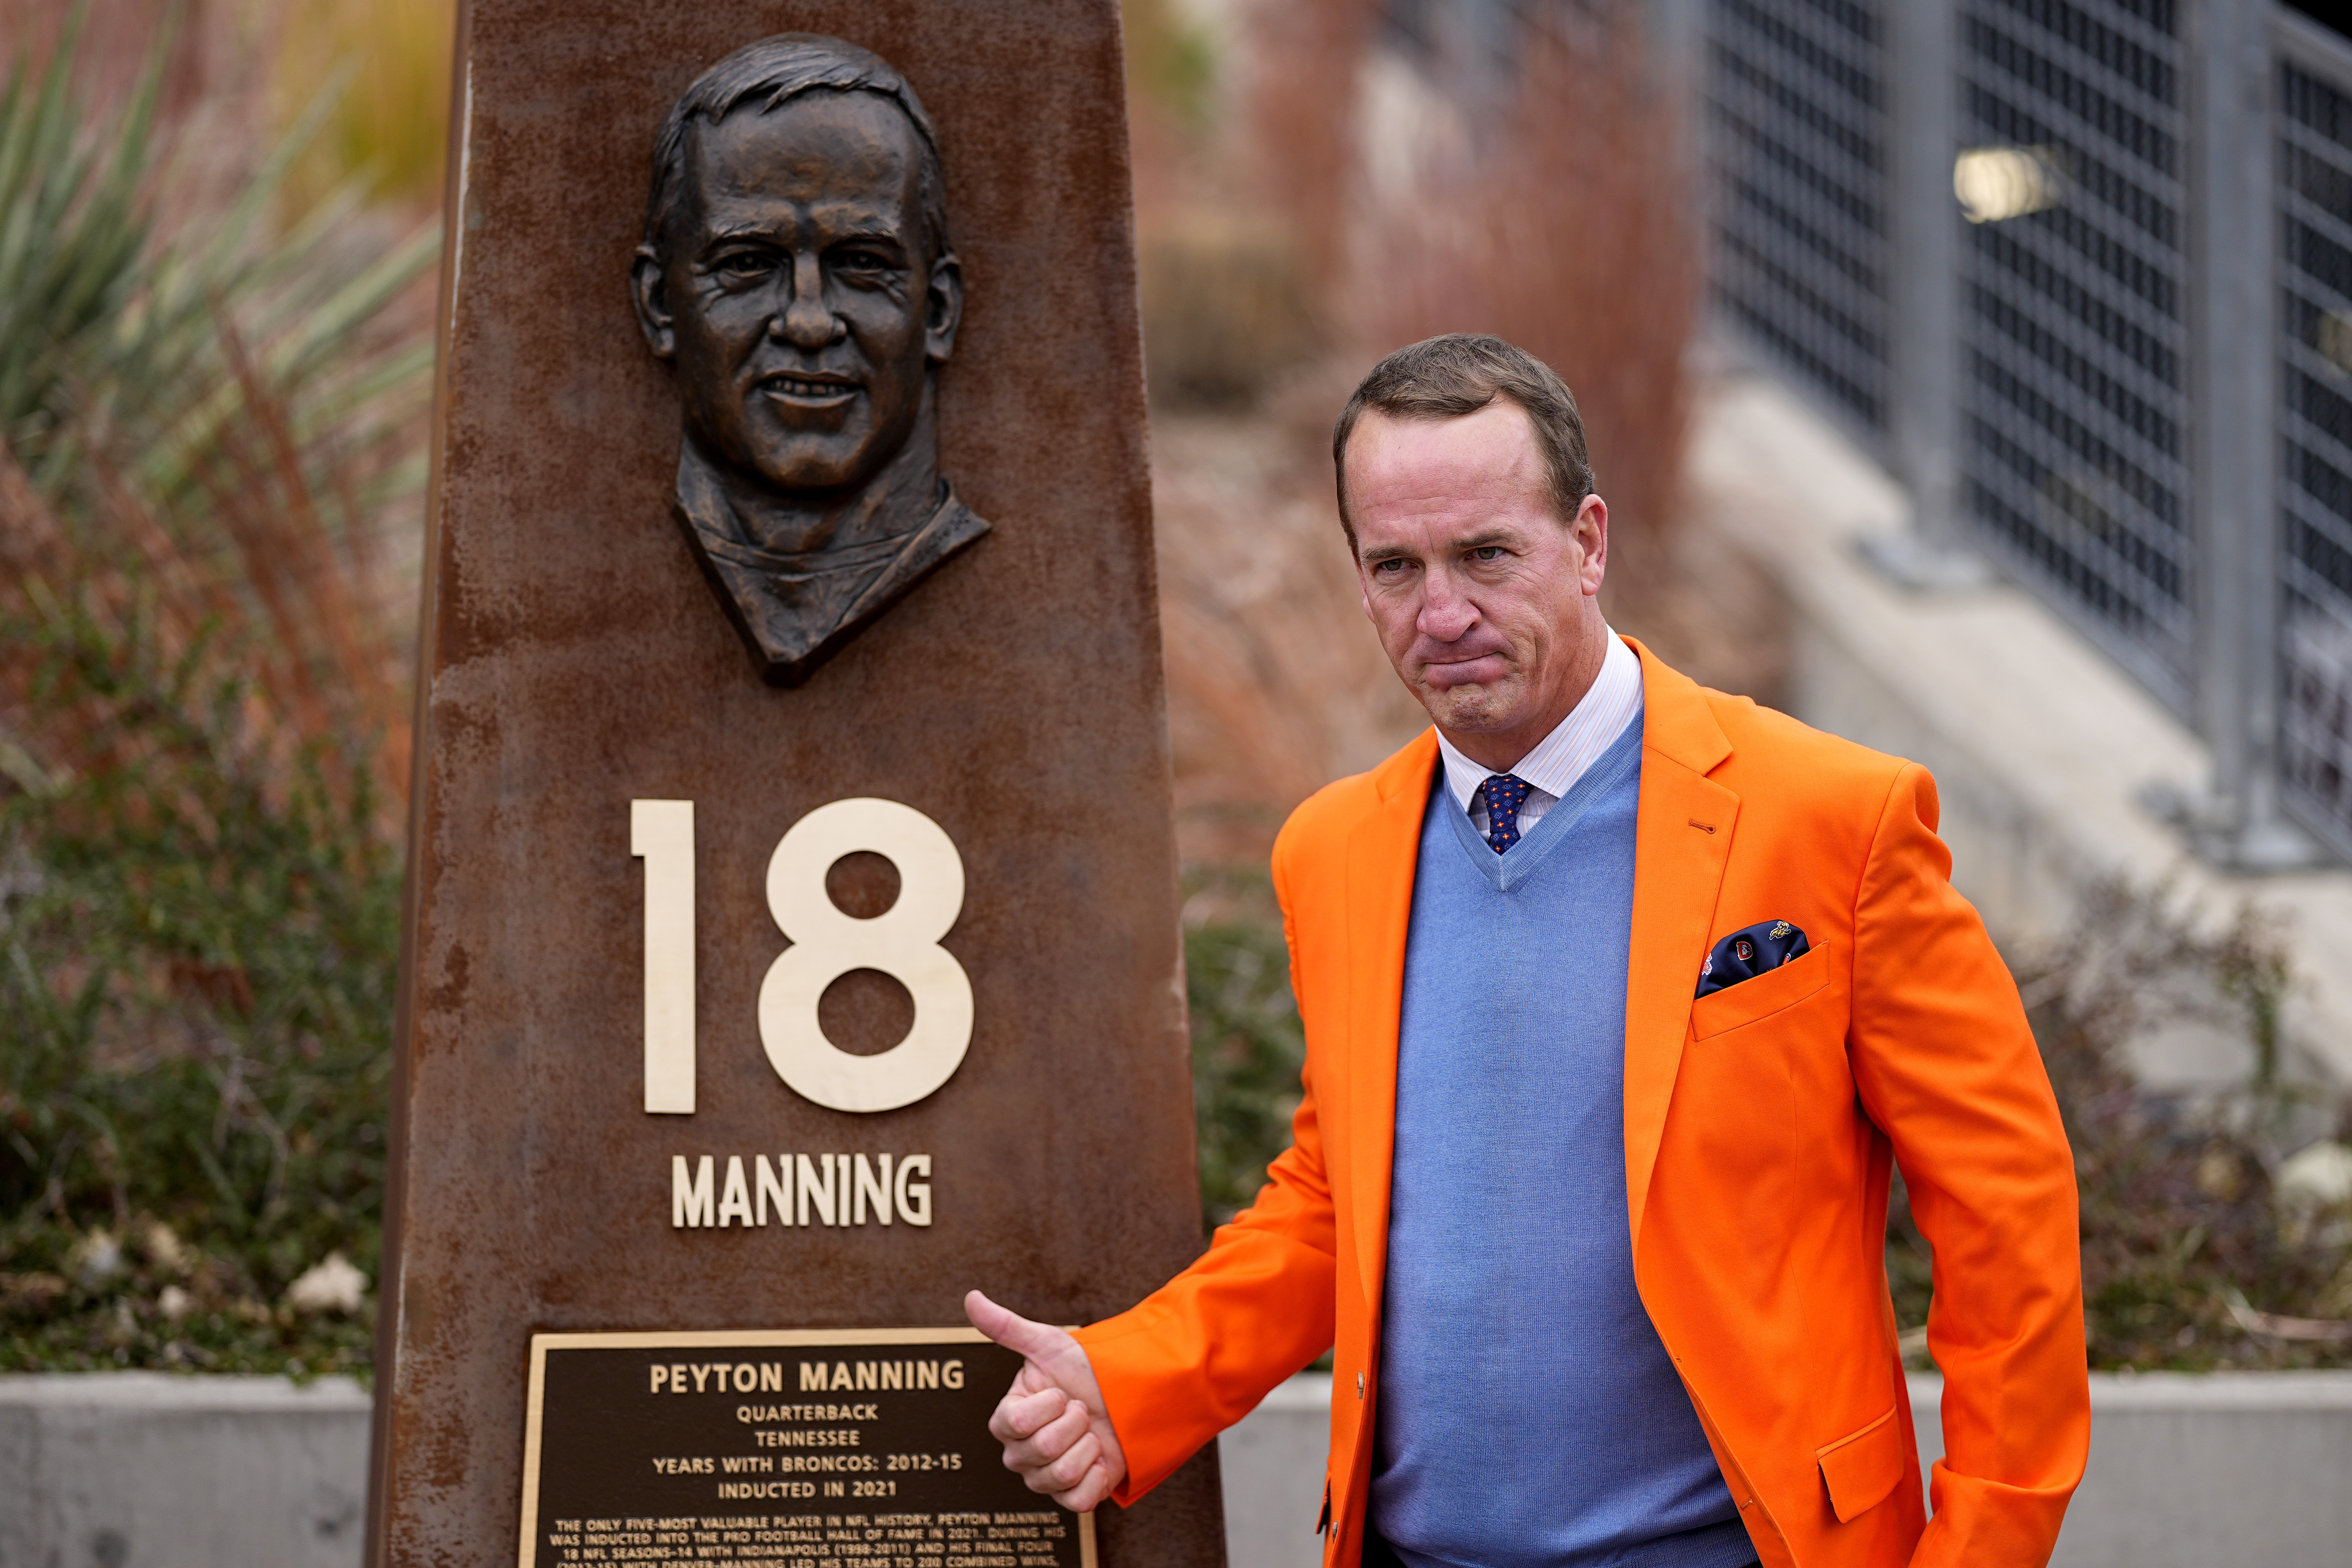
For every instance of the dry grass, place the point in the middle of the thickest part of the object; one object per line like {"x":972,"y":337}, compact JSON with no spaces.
{"x":1564,"y":224}
{"x":209,"y":451}
{"x":1276,"y":682}
{"x":1226,"y":308}
{"x":1570,"y":234}
{"x":261,"y":590}
{"x":1306,"y":56}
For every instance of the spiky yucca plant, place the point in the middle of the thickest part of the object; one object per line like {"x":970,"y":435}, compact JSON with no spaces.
{"x":201,"y":743}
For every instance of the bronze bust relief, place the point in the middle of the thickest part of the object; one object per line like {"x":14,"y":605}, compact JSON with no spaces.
{"x":796,"y":273}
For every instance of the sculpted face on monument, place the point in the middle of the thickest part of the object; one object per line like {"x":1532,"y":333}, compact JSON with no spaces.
{"x":797,"y":274}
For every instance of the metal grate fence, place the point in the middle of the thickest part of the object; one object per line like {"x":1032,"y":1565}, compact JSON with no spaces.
{"x":2075,"y":411}
{"x":1795,"y":136}
{"x":2314,"y":261}
{"x":2128,"y":380}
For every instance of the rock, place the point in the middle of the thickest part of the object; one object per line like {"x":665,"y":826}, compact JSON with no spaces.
{"x":332,"y":1285}
{"x":2318,"y":1176}
{"x":96,"y":1259}
{"x":165,"y":1249}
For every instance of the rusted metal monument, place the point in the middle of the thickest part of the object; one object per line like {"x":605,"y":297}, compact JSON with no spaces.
{"x":756,"y":1008}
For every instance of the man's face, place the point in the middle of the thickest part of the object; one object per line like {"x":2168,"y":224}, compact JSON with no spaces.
{"x":1485,"y":601}
{"x":797,"y":299}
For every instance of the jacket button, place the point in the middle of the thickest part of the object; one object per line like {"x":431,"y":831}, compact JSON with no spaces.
{"x":1359,"y":1385}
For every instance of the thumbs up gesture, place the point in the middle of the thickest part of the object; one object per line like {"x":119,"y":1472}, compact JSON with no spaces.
{"x":1055,"y":1432}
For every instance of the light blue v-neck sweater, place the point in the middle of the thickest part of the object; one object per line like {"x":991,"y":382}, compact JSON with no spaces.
{"x":1528,"y":1415}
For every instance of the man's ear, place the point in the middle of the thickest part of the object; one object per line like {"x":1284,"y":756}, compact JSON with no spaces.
{"x":1591,"y":531}
{"x":649,"y":291}
{"x":942,"y":309}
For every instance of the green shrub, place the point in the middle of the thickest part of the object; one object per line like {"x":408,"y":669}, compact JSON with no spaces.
{"x":198,"y":945}
{"x":1247,"y":1043}
{"x":2189,"y":1262}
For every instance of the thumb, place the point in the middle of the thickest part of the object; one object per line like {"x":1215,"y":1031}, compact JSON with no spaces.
{"x":1040,"y":1343}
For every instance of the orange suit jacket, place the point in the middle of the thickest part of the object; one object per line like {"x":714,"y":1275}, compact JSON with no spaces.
{"x":1761,"y":1123}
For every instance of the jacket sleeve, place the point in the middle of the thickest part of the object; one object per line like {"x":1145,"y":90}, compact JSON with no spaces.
{"x":1198,"y":1354}
{"x":1947,"y":1068}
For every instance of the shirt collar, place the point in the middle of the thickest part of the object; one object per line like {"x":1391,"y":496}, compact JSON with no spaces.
{"x":1575,"y":744}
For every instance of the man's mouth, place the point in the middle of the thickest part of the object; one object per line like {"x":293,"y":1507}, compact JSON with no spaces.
{"x":1475,"y":670}
{"x":807,"y":391}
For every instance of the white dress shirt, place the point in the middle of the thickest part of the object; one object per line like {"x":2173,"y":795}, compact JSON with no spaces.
{"x":1560,"y":758}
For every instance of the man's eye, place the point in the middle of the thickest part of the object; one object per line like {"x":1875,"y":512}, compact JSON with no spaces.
{"x":862,"y":261}
{"x":1487,"y":553}
{"x":1392,"y":567}
{"x":746,"y":264}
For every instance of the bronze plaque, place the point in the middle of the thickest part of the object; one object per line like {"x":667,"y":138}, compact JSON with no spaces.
{"x":819,"y":1450}
{"x":792,"y":938}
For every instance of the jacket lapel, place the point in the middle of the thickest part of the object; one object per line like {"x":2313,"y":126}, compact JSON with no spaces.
{"x":1682,"y":841}
{"x":1381,"y":853}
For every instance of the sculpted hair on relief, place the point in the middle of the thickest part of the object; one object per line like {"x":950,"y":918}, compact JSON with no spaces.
{"x":775,"y":70}
{"x":1457,"y":374}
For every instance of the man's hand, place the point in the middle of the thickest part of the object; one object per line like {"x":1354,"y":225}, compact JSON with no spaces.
{"x":1055,"y":1432}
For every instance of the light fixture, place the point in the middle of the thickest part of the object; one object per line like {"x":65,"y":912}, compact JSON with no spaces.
{"x":1998,"y":182}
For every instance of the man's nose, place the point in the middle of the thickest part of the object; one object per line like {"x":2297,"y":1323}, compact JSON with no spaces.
{"x":1445,"y":615}
{"x":806,"y":321}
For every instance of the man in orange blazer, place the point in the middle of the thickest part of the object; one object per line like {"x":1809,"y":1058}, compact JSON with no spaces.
{"x":1623,"y":998}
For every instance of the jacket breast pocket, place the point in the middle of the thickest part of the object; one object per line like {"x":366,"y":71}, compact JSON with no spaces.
{"x":1772,"y":991}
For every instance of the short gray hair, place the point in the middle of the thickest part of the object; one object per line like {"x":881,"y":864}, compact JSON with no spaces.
{"x":780,"y":69}
{"x":1459,"y":373}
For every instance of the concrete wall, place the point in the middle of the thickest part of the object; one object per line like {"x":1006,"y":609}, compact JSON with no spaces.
{"x":128,"y":1469}
{"x":2243,"y":1470}
{"x":2250,"y":1470}
{"x":1273,"y":1466}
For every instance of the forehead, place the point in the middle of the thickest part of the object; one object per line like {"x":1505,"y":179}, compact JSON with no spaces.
{"x":1481,"y":468}
{"x":849,"y":155}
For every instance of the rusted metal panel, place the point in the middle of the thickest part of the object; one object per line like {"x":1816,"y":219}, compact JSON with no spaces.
{"x":574,"y":659}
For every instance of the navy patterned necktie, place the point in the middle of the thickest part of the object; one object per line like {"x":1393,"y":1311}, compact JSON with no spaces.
{"x":1503,"y":795}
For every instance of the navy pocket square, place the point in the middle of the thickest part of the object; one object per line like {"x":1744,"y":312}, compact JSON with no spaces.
{"x":1745,"y":954}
